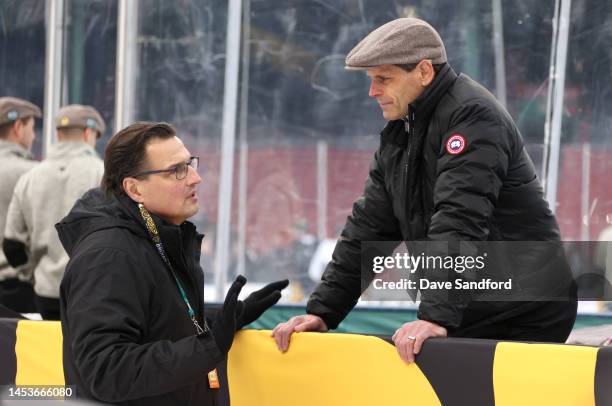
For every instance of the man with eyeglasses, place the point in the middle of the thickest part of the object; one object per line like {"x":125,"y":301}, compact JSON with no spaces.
{"x":132,"y":298}
{"x":45,"y":194}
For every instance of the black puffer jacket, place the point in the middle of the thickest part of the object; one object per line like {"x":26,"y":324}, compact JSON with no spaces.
{"x":420,"y":187}
{"x":127,"y":336}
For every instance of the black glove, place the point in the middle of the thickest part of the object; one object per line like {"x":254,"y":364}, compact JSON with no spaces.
{"x":258,"y":302}
{"x":224,"y":324}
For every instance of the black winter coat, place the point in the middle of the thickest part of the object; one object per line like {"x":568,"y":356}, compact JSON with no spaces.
{"x":418,"y":189}
{"x":127,"y":336}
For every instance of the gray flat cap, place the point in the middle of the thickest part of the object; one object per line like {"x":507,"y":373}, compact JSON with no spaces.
{"x":12,"y":108}
{"x":399,"y":42}
{"x":77,"y":115}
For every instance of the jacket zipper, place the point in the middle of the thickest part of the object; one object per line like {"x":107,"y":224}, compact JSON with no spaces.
{"x":409,"y":123}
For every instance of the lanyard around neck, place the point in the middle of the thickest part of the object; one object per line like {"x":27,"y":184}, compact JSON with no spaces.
{"x":154,"y":234}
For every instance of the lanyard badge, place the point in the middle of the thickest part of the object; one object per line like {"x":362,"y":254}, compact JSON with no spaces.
{"x":213,"y":379}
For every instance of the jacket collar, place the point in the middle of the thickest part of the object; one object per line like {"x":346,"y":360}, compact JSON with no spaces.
{"x":8,"y":148}
{"x":425,"y":104}
{"x":178,"y":240}
{"x":423,"y":107}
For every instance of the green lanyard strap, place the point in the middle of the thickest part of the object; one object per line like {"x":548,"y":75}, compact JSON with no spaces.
{"x":154,"y":234}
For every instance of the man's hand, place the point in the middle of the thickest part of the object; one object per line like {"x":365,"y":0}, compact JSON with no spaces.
{"x":307,"y":322}
{"x":409,"y":338}
{"x":259,"y":301}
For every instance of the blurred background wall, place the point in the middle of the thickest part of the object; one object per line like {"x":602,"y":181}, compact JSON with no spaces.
{"x":258,"y":90}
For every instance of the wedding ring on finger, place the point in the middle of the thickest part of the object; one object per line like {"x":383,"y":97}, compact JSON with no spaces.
{"x":413,"y":338}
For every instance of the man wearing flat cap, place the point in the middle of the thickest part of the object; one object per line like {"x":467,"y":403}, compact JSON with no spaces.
{"x":451,"y":168}
{"x":45,"y":194}
{"x":17,"y":119}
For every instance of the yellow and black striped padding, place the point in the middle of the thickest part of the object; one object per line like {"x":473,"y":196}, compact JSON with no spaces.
{"x":364,"y":370}
{"x":323,"y":369}
{"x":31,"y":352}
{"x":347,"y":369}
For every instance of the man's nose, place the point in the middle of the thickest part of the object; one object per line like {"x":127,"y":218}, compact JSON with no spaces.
{"x":193,"y":177}
{"x":375,"y":90}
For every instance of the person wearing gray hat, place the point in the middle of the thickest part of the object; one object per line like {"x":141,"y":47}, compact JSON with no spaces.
{"x":17,"y":121}
{"x":451,"y":166}
{"x":82,"y":118}
{"x":45,"y":194}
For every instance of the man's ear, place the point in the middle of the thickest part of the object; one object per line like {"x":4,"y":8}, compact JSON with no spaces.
{"x":133,"y":188}
{"x":17,"y":127}
{"x":90,"y":136}
{"x":426,"y":72}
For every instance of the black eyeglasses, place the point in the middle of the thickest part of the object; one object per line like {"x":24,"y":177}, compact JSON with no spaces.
{"x":180,"y":170}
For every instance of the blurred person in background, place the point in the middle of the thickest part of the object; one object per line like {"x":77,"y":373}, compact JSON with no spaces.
{"x":17,"y":120}
{"x":45,"y":194}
